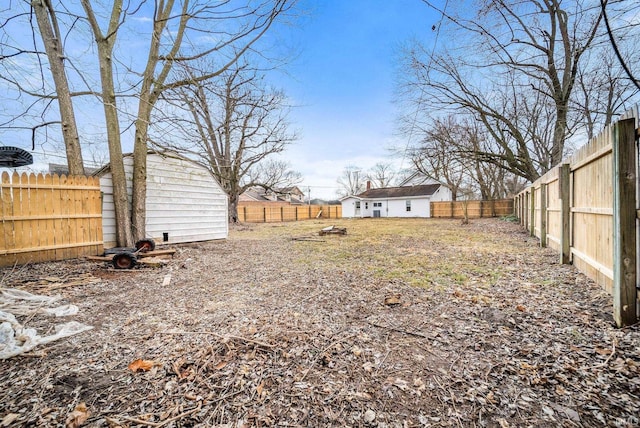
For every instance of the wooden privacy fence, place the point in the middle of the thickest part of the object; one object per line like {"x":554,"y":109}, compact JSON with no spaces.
{"x":586,"y":209}
{"x":267,"y":214}
{"x":475,"y":209}
{"x":48,"y":218}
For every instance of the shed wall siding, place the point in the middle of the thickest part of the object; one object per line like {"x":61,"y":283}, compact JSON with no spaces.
{"x":349,"y":207}
{"x":183,"y":201}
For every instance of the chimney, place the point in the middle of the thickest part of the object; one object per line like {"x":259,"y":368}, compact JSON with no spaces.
{"x":368,"y":185}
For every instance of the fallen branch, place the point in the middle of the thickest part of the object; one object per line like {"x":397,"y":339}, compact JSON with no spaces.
{"x":320,"y":354}
{"x":307,"y":239}
{"x":604,"y":364}
{"x":398,"y":330}
{"x":163,"y":423}
{"x":240,"y":338}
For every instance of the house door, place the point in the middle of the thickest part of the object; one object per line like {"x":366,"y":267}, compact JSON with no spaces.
{"x":376,"y":213}
{"x":357,"y":210}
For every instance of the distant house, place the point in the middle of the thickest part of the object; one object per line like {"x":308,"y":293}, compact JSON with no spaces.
{"x":403,"y":201}
{"x":56,"y":168}
{"x":184,"y":202}
{"x":287,"y":195}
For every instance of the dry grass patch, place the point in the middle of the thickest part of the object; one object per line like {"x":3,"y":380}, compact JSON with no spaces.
{"x":400,"y":323}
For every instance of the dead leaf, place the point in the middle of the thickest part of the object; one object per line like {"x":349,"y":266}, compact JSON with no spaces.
{"x":401,"y":384}
{"x":521,"y":308}
{"x":503,"y":423}
{"x":221,"y":365}
{"x":78,"y":417}
{"x":9,"y":419}
{"x":392,"y":300}
{"x":141,"y":365}
{"x":259,"y":389}
{"x":458,"y":294}
{"x":603,"y":351}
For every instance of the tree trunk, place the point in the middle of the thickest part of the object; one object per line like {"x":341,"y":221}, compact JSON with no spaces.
{"x":559,"y":134}
{"x":139,"y":190}
{"x":233,"y":209}
{"x":52,"y":43}
{"x":124,"y":238}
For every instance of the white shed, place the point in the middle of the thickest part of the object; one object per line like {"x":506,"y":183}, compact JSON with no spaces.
{"x":184,"y":202}
{"x":404,"y":201}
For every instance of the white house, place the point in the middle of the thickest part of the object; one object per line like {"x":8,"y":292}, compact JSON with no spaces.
{"x":404,"y":201}
{"x":184,"y":202}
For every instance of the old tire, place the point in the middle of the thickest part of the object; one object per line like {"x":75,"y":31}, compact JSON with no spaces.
{"x":145,"y":245}
{"x":124,"y":261}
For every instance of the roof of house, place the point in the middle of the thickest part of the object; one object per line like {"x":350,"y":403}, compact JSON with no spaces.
{"x":292,"y":189}
{"x":259,"y":194}
{"x":253,"y":194}
{"x":400,"y":192}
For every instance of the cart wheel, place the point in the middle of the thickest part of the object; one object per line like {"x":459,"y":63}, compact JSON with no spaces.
{"x":145,"y":245}
{"x":124,"y":261}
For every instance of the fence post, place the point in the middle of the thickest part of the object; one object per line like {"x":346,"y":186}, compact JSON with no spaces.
{"x":532,"y":212}
{"x":624,"y":224}
{"x":281,"y":214}
{"x":543,"y":215}
{"x":245,"y":213}
{"x":264,"y":213}
{"x":565,"y":213}
{"x":297,"y":213}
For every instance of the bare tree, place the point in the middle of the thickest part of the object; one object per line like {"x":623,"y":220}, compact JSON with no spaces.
{"x":529,"y":55}
{"x":182,"y":33}
{"x":235,"y":125}
{"x":448,"y":152}
{"x":12,"y":54}
{"x":351,"y":181}
{"x":381,"y":175}
{"x":603,"y":90}
{"x":438,"y":157}
{"x":105,"y":44}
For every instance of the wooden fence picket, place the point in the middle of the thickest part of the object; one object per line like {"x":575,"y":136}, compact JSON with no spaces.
{"x":46,"y":217}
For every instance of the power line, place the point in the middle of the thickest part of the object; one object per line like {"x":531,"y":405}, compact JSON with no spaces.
{"x":433,"y":50}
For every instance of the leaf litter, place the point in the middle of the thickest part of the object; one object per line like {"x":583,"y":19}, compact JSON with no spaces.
{"x":399,"y":323}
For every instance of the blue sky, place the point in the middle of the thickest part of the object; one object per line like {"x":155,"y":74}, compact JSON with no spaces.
{"x":343,"y":83}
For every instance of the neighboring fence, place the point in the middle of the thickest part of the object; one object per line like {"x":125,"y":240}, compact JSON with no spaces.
{"x":475,"y":209}
{"x":46,"y":218}
{"x":271,"y":214}
{"x":586,"y":210}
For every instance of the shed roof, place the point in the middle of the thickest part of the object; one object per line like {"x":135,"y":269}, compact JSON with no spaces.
{"x":400,"y":192}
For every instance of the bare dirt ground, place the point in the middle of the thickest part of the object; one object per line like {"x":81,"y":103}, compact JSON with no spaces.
{"x":401,"y":323}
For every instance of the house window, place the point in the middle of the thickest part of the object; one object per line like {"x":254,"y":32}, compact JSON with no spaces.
{"x":366,"y":205}
{"x":408,"y":205}
{"x":377,"y":205}
{"x":357,"y":205}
